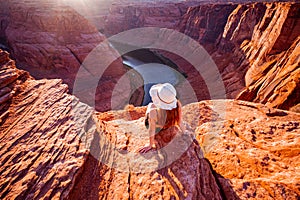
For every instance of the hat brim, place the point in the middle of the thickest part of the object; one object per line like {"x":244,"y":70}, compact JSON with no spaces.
{"x":157,"y":102}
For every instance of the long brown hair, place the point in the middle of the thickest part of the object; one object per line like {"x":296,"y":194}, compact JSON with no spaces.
{"x":171,"y":117}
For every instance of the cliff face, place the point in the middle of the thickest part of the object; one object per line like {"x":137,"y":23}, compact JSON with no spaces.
{"x":272,"y":51}
{"x":255,"y":147}
{"x":257,"y":49}
{"x":127,"y":174}
{"x":44,"y":135}
{"x":128,"y":15}
{"x":254,"y":45}
{"x":51,"y":40}
{"x":205,"y":23}
{"x":55,"y":147}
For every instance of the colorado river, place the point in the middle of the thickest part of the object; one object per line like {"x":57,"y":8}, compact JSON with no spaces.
{"x":152,"y":73}
{"x":151,"y":66}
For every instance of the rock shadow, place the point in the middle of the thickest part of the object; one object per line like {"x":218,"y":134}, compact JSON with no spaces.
{"x":193,"y":177}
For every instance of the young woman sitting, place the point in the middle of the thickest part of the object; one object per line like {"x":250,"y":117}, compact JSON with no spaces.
{"x":163,"y":116}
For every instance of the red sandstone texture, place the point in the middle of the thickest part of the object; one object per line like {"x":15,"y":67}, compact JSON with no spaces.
{"x":273,"y":76}
{"x":248,"y":151}
{"x":254,"y":45}
{"x":256,"y":148}
{"x":256,"y":51}
{"x":43,"y":135}
{"x":52,"y":40}
{"x":53,"y":146}
{"x":128,"y":15}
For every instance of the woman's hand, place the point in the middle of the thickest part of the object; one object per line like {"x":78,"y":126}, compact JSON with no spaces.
{"x":152,"y":125}
{"x":147,"y":148}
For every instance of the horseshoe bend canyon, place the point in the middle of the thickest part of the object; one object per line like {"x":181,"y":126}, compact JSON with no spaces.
{"x":74,"y":85}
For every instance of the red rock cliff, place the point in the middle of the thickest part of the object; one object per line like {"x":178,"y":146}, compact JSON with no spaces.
{"x":256,"y":48}
{"x":43,"y":135}
{"x":248,"y":151}
{"x":124,"y":16}
{"x":271,"y":48}
{"x":51,"y":40}
{"x":254,"y":45}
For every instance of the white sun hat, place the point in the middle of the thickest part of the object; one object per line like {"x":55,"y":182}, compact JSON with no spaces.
{"x":164,"y":96}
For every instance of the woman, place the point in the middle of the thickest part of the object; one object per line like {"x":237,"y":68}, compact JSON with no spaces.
{"x":163,"y":116}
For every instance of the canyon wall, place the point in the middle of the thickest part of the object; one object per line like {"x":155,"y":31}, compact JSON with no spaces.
{"x":126,"y":16}
{"x":55,"y":147}
{"x":51,"y":40}
{"x":272,"y":50}
{"x":258,"y":42}
{"x":254,"y":45}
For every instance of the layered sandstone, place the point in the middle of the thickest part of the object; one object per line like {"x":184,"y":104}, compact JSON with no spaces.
{"x":256,"y":148}
{"x":273,"y":56}
{"x":44,"y":135}
{"x":126,"y":16}
{"x":256,"y":49}
{"x":252,"y":150}
{"x":52,"y":40}
{"x":254,"y":45}
{"x":53,"y":146}
{"x":50,"y":147}
{"x":115,"y":169}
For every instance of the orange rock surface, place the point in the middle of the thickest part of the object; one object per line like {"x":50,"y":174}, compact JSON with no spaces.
{"x":52,"y":40}
{"x":256,"y":148}
{"x":253,"y":152}
{"x":53,"y":146}
{"x":43,"y":135}
{"x":273,"y":77}
{"x":254,"y":45}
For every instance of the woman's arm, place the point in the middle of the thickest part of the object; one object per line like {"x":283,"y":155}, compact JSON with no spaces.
{"x":152,"y":133}
{"x":152,"y":126}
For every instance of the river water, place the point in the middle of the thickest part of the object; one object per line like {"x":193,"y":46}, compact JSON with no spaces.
{"x":152,"y":73}
{"x":152,"y":67}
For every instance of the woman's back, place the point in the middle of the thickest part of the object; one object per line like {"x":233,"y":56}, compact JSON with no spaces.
{"x":163,"y":116}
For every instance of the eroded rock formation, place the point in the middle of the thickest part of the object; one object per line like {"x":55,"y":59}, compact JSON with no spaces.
{"x":53,"y":146}
{"x":256,"y":48}
{"x":120,"y":172}
{"x":51,"y":40}
{"x":253,"y":151}
{"x":272,"y":51}
{"x":254,"y":45}
{"x":128,"y":15}
{"x":256,"y":148}
{"x":44,"y":135}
